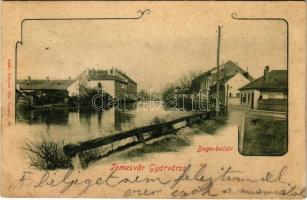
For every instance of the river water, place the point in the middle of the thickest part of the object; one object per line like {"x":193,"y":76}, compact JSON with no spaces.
{"x":74,"y":126}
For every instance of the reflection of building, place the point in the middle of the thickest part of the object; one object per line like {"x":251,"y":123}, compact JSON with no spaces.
{"x":55,"y":116}
{"x":114,"y":82}
{"x":231,"y":78}
{"x":268,"y":92}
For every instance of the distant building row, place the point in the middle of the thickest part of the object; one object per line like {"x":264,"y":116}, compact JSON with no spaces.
{"x":113,"y":81}
{"x":238,"y":88}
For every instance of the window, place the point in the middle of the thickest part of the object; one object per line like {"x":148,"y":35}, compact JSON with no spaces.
{"x":99,"y":85}
{"x":209,"y":81}
{"x":249,"y":96}
{"x":238,"y":95}
{"x":123,"y":86}
{"x":260,"y":97}
{"x":230,"y":94}
{"x":244,"y":98}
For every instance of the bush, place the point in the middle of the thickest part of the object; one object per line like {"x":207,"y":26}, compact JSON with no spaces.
{"x":47,"y":155}
{"x":157,"y":120}
{"x":88,"y":94}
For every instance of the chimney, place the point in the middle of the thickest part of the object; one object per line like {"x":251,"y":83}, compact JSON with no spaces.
{"x":29,"y":78}
{"x":266,"y":74}
{"x":47,"y":78}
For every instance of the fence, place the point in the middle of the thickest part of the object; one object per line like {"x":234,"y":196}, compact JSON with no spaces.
{"x":272,"y":104}
{"x":75,"y":151}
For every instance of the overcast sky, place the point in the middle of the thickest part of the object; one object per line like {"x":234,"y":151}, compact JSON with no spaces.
{"x":154,"y":50}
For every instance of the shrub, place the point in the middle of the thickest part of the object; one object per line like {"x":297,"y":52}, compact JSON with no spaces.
{"x":47,"y":155}
{"x":157,"y":120}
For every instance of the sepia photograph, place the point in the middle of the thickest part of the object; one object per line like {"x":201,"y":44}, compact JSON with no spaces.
{"x":157,"y":100}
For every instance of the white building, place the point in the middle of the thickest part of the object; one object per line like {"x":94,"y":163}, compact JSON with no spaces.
{"x":231,"y":78}
{"x":113,"y":81}
{"x":233,"y":84}
{"x":269,"y":92}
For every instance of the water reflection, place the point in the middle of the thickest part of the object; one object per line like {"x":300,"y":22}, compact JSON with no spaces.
{"x":58,"y":116}
{"x":123,"y":121}
{"x":79,"y":125}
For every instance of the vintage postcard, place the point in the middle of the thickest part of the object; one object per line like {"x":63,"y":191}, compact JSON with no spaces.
{"x":161,"y":99}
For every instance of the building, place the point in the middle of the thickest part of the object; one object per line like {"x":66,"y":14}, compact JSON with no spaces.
{"x":44,"y":91}
{"x":231,"y":78}
{"x":114,"y":82}
{"x":269,"y":92}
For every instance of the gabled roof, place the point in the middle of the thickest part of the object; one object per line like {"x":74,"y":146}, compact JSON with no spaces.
{"x":224,"y":80}
{"x":229,"y":68}
{"x":278,"y":80}
{"x":103,"y":75}
{"x":126,"y":77}
{"x":44,"y":84}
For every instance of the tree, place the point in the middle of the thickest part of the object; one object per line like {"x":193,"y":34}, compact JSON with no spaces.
{"x":143,"y":95}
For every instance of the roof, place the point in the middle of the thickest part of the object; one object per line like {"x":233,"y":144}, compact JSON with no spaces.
{"x":231,"y":69}
{"x":105,"y":75}
{"x":44,"y":84}
{"x":181,"y":90}
{"x":223,"y":80}
{"x":126,"y":76}
{"x":278,"y":80}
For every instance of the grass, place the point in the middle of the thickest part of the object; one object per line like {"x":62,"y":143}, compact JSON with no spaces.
{"x":157,"y":120}
{"x":170,"y":143}
{"x":49,"y":155}
{"x":210,"y":126}
{"x":268,"y":137}
{"x":174,"y":142}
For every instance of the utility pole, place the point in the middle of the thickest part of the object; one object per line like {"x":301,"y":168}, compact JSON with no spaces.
{"x":226,"y":103}
{"x":217,"y":110}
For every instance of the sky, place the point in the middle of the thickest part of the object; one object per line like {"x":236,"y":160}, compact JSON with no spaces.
{"x":154,"y":50}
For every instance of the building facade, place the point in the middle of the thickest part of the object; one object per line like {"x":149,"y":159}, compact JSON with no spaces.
{"x":269,"y":92}
{"x":114,"y":82}
{"x":42,"y":92}
{"x":231,"y":78}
